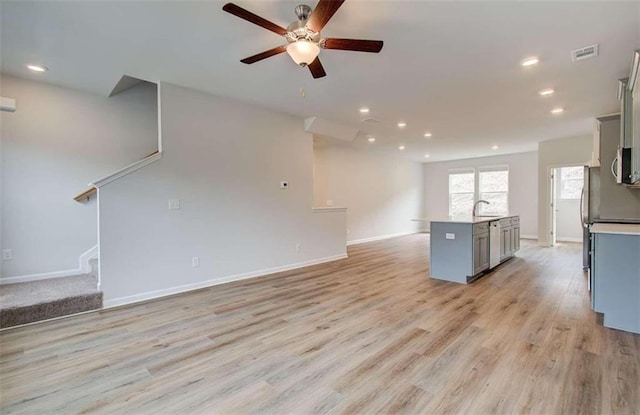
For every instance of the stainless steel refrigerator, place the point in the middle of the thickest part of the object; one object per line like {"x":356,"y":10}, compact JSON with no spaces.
{"x":603,"y":199}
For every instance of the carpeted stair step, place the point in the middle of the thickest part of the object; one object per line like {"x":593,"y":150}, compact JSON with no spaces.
{"x":27,"y":302}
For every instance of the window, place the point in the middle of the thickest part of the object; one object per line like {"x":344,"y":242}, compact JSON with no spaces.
{"x":571,"y":182}
{"x":490,"y":184}
{"x":461,"y":192}
{"x":493,"y":186}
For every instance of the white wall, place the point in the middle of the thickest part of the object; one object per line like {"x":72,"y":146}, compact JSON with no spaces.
{"x":522,"y":187}
{"x":56,"y":142}
{"x":382,"y":193}
{"x":556,"y":153}
{"x":568,"y":217}
{"x":224,"y":161}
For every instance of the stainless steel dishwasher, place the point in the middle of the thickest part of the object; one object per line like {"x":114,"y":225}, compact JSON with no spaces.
{"x":494,"y":244}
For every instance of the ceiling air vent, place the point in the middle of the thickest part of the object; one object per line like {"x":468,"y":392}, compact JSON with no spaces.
{"x":584,"y":53}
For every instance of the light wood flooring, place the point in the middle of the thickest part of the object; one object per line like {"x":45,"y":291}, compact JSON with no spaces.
{"x":368,"y":334}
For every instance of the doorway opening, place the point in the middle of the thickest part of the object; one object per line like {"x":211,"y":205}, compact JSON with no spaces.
{"x":566,"y":189}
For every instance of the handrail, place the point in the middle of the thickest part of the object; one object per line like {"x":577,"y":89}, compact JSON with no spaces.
{"x":86,"y":195}
{"x":156,"y":155}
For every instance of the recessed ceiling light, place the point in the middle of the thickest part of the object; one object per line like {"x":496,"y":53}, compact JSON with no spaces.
{"x":557,"y":110}
{"x":371,"y":139}
{"x":494,"y":147}
{"x":402,"y":124}
{"x":427,"y":135}
{"x":401,"y":148}
{"x":546,"y":92}
{"x":426,"y":156}
{"x":529,"y":61}
{"x":37,"y":68}
{"x":364,"y":110}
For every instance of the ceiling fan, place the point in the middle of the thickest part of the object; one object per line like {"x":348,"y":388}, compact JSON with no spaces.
{"x":303,"y":35}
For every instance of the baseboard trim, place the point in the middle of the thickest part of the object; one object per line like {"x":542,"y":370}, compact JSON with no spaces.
{"x":528,"y":236}
{"x":569,"y":239}
{"x":121,"y":301}
{"x":381,"y":237}
{"x":83,"y":268}
{"x":42,"y":276}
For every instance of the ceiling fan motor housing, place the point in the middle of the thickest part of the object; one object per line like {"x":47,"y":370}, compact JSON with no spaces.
{"x":303,"y":12}
{"x":298,"y":30}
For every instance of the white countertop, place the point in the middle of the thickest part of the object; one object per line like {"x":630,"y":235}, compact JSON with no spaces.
{"x":616,"y":228}
{"x":472,"y":219}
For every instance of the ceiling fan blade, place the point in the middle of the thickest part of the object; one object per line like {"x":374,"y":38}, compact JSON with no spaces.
{"x":264,"y":55}
{"x":324,"y":10}
{"x":317,"y":71}
{"x":253,"y":18}
{"x":358,"y":45}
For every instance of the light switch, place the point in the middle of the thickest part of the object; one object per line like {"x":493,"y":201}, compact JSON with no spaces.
{"x":174,"y":204}
{"x":450,"y":236}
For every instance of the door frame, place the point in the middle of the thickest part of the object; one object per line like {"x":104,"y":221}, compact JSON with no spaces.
{"x":551,"y":214}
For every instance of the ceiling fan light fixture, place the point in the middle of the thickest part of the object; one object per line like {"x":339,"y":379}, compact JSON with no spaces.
{"x":303,"y":52}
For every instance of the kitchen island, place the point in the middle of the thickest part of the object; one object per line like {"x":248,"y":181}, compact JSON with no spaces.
{"x":464,"y":248}
{"x":615,"y":274}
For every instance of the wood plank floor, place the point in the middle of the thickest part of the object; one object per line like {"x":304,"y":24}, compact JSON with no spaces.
{"x":368,"y":334}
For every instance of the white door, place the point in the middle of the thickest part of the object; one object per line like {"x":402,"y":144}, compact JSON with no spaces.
{"x":553,"y":209}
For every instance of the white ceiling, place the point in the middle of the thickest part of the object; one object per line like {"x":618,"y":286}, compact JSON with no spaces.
{"x":451,"y":68}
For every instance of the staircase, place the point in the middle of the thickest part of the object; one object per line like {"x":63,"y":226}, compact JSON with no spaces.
{"x":27,"y":302}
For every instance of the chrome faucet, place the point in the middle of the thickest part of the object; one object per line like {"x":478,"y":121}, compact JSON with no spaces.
{"x":475,"y":205}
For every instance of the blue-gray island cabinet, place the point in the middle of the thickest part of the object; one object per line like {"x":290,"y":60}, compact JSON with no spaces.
{"x":615,"y":274}
{"x":462,"y":249}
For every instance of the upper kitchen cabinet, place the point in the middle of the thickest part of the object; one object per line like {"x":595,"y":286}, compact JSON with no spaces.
{"x":627,"y":162}
{"x":633,"y":87}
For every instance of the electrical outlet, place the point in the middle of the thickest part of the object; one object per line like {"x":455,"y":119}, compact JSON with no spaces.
{"x":450,"y":236}
{"x":195,"y":262}
{"x":297,"y":247}
{"x":174,"y":204}
{"x":7,"y":254}
{"x":329,"y":202}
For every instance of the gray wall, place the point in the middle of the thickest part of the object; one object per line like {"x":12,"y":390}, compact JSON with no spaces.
{"x":224,"y":161}
{"x":56,"y":142}
{"x":522,"y":185}
{"x":382,"y":193}
{"x":556,"y":153}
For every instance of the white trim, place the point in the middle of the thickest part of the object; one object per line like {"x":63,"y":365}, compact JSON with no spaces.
{"x":99,"y":270}
{"x":83,"y":261}
{"x":126,"y":170}
{"x":203,"y":284}
{"x":42,"y":276}
{"x":561,"y":239}
{"x":324,"y":209}
{"x":159,"y":117}
{"x":83,"y":268}
{"x":528,"y":236}
{"x":494,"y":167}
{"x":379,"y":238}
